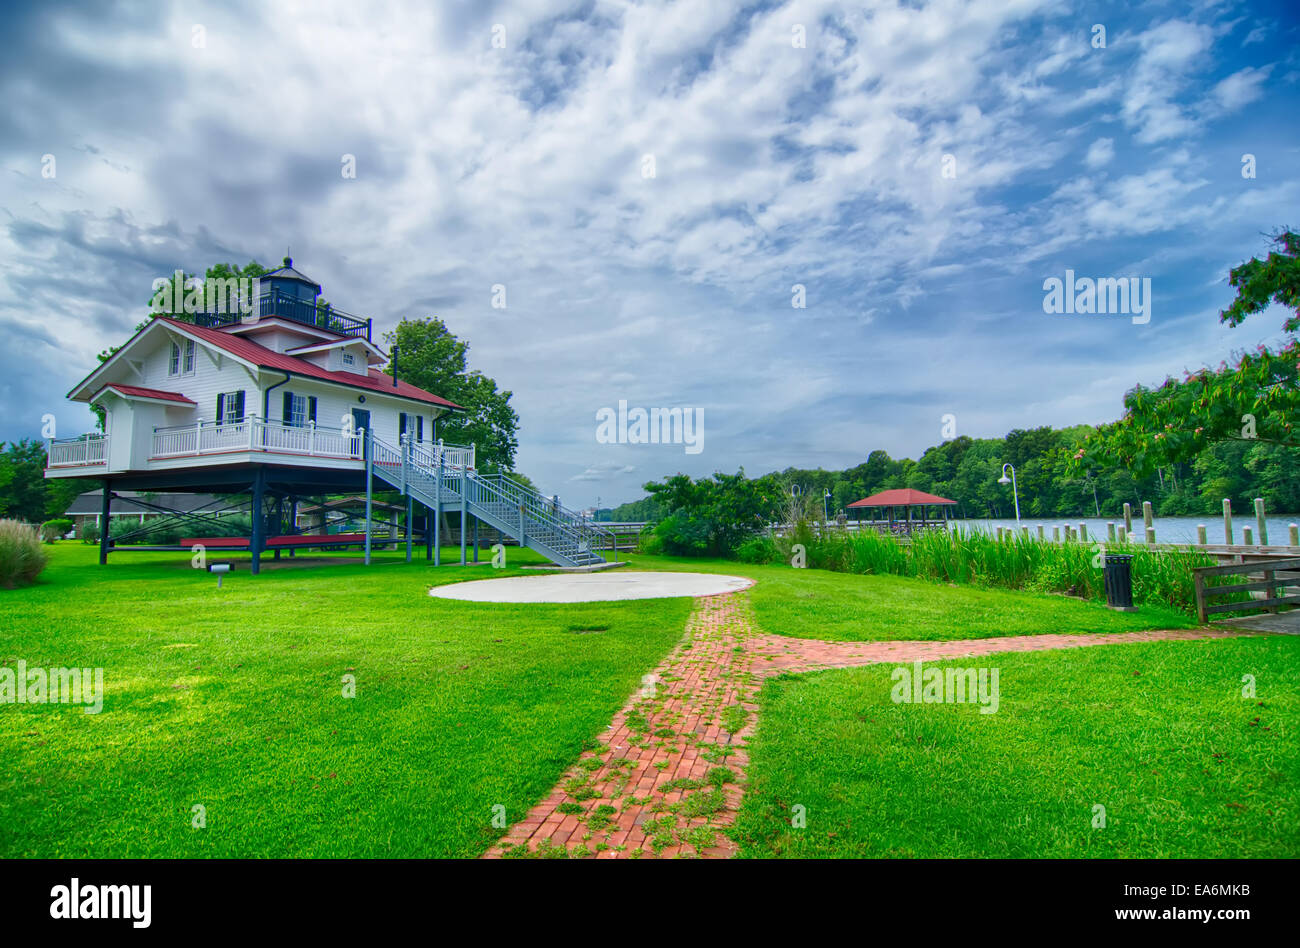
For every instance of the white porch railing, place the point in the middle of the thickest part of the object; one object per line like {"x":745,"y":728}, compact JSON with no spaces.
{"x":455,"y":457}
{"x":253,"y":434}
{"x":78,"y":452}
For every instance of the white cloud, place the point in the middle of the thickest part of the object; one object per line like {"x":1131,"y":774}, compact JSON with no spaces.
{"x":1100,"y":153}
{"x":1241,"y":88}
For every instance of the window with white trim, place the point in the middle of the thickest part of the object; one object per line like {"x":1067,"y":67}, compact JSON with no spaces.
{"x":182,"y":358}
{"x":349,"y":359}
{"x":299,"y":410}
{"x":230,"y":407}
{"x":413,"y":424}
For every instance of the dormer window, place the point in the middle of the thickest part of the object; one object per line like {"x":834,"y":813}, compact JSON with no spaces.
{"x":349,"y":359}
{"x":182,"y":358}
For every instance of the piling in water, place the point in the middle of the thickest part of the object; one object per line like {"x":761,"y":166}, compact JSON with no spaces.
{"x":1261,"y":522}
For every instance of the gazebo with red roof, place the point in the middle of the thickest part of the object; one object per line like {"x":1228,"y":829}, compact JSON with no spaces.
{"x":906,"y":498}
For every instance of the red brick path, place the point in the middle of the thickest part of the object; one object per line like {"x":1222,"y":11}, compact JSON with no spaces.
{"x":665,"y":779}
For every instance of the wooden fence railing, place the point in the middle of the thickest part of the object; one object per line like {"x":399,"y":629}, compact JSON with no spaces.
{"x":1271,"y":583}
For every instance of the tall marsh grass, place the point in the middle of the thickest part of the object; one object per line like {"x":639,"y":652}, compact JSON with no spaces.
{"x":970,"y":558}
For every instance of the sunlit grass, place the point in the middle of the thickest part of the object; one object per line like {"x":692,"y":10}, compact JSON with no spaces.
{"x":232,"y":699}
{"x":819,"y":604}
{"x":1158,"y":734}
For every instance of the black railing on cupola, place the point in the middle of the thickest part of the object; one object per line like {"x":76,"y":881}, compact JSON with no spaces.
{"x":276,"y":303}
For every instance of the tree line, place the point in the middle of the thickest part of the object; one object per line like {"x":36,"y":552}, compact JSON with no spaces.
{"x":966,"y":470}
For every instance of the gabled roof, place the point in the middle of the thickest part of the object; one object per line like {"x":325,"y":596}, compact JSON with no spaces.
{"x":259,"y":355}
{"x":338,"y":344}
{"x":288,"y":272}
{"x":136,"y":391}
{"x":901,"y":497}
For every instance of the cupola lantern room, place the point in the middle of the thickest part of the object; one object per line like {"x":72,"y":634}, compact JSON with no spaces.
{"x":290,"y":294}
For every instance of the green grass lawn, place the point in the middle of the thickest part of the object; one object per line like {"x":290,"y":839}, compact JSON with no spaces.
{"x":232,"y":699}
{"x":1159,"y":734}
{"x":819,"y":604}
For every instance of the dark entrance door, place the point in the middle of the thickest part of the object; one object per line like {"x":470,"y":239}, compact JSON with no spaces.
{"x":360,"y":421}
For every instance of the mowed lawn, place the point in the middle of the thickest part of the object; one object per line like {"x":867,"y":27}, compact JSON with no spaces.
{"x":232,"y":699}
{"x":819,"y":604}
{"x":1158,"y":734}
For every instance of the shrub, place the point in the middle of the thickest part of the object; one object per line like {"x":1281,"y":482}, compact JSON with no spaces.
{"x":684,"y":534}
{"x":52,"y":530}
{"x":90,"y":533}
{"x":21,"y":555}
{"x":650,"y":543}
{"x":758,"y":549}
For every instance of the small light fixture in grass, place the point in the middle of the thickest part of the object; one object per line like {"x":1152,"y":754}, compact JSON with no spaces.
{"x":220,"y":569}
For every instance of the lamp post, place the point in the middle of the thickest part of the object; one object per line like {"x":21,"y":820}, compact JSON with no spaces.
{"x":826,"y":510}
{"x":1012,"y":481}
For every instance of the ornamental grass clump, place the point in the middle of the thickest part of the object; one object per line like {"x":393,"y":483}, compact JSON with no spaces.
{"x":22,"y":557}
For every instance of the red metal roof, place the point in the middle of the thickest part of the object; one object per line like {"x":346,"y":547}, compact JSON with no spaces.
{"x":157,"y":393}
{"x":900,"y":497}
{"x":375,"y":381}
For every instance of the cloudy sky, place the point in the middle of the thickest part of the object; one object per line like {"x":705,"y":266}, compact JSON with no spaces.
{"x":649,"y":182}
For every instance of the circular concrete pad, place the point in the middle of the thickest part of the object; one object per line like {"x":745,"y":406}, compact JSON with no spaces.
{"x":591,"y":587}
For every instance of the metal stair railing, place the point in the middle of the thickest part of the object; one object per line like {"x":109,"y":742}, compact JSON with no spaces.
{"x":586,"y":534}
{"x":447,"y":471}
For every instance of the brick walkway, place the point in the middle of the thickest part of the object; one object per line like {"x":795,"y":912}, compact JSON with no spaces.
{"x":665,"y":779}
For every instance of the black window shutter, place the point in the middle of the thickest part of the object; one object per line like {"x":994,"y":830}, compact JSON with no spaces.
{"x":239,"y":405}
{"x":221,"y":407}
{"x":401,"y":423}
{"x":287,"y":414}
{"x":311,"y":408}
{"x":419,"y":427}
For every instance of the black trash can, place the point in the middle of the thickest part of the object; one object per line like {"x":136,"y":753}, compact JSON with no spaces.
{"x":1118,"y":576}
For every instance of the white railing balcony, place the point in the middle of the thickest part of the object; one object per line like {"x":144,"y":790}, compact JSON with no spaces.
{"x":253,"y":434}
{"x":454,"y":457}
{"x":88,"y":450}
{"x":309,"y":440}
